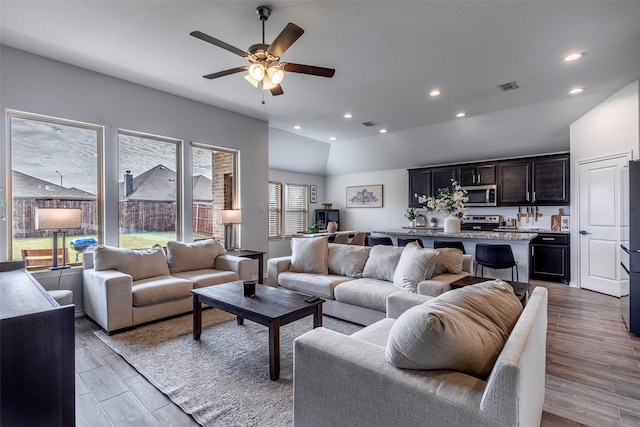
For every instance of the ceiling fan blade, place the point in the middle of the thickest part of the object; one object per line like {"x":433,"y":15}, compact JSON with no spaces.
{"x":277,"y":90}
{"x":308,"y":69}
{"x":226,"y":72}
{"x":219,"y":43}
{"x":285,"y":39}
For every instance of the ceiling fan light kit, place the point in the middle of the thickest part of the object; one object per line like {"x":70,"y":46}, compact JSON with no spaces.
{"x":266,"y":70}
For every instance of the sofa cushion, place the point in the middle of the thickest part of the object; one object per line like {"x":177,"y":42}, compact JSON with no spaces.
{"x":309,"y":255}
{"x":463,"y":330}
{"x":207,"y":277}
{"x":449,"y":261}
{"x":193,"y":256}
{"x":376,"y":333}
{"x":347,"y":260}
{"x":415,"y":265}
{"x":137,"y":263}
{"x":365,"y":292}
{"x":322,"y":285}
{"x":382,"y":262}
{"x":155,"y":290}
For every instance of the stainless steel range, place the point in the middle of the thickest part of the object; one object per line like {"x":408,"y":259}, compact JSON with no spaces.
{"x":480,"y":222}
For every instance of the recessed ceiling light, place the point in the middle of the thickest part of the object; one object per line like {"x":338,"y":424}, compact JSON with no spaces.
{"x":297,"y":127}
{"x":576,"y":90}
{"x":348,"y":115}
{"x":382,"y":130}
{"x":460,"y":115}
{"x":332,"y":138}
{"x":435,"y":92}
{"x":573,"y":56}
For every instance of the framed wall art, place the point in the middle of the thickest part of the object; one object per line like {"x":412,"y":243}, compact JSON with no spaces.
{"x":364,"y":196}
{"x":313,"y":194}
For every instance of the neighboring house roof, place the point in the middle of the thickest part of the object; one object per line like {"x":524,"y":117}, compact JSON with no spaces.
{"x":28,"y":187}
{"x":159,"y":184}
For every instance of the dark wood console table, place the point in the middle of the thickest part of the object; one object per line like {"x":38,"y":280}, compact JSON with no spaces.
{"x":246,"y":253}
{"x":37,"y":353}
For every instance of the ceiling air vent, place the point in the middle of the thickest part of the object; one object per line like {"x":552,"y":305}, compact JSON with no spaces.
{"x":369,"y":124}
{"x":508,"y":86}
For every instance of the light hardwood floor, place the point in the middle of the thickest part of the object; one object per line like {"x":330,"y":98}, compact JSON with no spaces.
{"x":593,"y":371}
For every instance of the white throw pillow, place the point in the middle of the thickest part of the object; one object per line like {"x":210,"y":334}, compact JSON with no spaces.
{"x":449,"y":261}
{"x":137,"y":263}
{"x":382,"y":262}
{"x":309,"y":255}
{"x":198,"y":255}
{"x":462,"y":330}
{"x":347,"y":260}
{"x":415,"y":264}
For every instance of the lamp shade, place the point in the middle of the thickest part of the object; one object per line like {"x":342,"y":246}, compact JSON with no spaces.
{"x":58,"y":218}
{"x":231,"y":216}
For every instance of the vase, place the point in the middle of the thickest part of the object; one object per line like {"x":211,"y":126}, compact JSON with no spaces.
{"x":412,"y":224}
{"x":452,"y":224}
{"x":332,"y":227}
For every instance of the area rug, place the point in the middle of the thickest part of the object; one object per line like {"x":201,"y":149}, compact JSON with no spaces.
{"x":222,"y":379}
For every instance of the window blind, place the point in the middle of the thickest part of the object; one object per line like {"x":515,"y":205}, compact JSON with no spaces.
{"x":296,"y":209}
{"x":275,"y":209}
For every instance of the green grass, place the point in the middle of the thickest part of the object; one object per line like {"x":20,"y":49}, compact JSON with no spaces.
{"x":132,"y":241}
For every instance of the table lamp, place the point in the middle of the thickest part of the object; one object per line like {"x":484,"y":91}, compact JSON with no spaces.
{"x":229,"y":218}
{"x":58,"y":219}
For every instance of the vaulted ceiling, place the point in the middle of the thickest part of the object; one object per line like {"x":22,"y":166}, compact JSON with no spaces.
{"x":388,"y":56}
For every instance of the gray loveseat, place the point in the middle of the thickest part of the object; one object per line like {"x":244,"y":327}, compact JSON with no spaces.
{"x":356,"y":280}
{"x":124,"y":287}
{"x":342,"y":380}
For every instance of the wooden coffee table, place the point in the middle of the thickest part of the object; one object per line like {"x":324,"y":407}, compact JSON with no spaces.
{"x":521,"y":289}
{"x":271,"y":307}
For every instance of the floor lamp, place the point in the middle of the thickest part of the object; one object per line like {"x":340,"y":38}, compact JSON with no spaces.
{"x":229,"y":218}
{"x":58,"y":219}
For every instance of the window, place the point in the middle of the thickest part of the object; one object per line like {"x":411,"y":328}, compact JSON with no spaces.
{"x":214,"y":190}
{"x":296,"y":208}
{"x":275,"y":210}
{"x":149,"y":191}
{"x":54,"y":164}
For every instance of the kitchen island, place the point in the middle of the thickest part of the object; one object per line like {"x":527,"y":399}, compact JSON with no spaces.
{"x":519,"y":243}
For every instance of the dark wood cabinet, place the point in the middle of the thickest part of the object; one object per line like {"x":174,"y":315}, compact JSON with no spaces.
{"x":419,"y":185}
{"x":476,"y":174}
{"x":534,"y":181}
{"x":514,"y":179}
{"x":550,"y":258}
{"x":322,"y":217}
{"x":551,"y":181}
{"x":442,"y":177}
{"x":37,"y":353}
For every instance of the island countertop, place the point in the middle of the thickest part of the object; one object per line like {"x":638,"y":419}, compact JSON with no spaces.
{"x":474,"y":235}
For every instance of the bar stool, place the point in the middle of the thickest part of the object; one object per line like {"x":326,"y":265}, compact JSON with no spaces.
{"x":448,"y":244}
{"x":405,"y":242}
{"x":496,"y":257}
{"x":373,"y":241}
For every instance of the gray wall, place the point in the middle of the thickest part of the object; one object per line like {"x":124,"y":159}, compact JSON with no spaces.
{"x":39,"y":85}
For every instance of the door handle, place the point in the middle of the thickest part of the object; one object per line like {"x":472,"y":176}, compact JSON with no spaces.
{"x":584,"y":232}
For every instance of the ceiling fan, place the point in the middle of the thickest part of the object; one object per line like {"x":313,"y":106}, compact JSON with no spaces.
{"x":265,"y":68}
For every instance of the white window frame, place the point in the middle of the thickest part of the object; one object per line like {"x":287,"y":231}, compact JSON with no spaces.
{"x":275,"y":210}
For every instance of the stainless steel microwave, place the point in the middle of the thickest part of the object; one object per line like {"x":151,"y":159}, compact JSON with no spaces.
{"x":482,"y":195}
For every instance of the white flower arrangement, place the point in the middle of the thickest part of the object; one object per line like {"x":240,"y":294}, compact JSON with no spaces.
{"x":449,"y":202}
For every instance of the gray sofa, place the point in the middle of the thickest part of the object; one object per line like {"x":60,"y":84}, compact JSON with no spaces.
{"x":342,"y":380}
{"x":355,"y":280}
{"x":123,"y":287}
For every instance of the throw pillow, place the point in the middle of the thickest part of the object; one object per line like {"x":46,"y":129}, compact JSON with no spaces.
{"x":462,"y":330}
{"x":382,"y":262}
{"x":449,"y":261}
{"x":415,"y":264}
{"x":309,"y":255}
{"x":193,"y":256}
{"x":137,"y":263}
{"x":347,"y":260}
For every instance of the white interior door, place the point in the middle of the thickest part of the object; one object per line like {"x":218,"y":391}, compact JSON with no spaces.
{"x":601,"y":218}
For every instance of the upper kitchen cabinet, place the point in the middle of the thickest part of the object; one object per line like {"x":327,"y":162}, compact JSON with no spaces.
{"x":476,"y":174}
{"x":537,"y":181}
{"x":419,"y":185}
{"x":551,"y":181}
{"x":442,"y":177}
